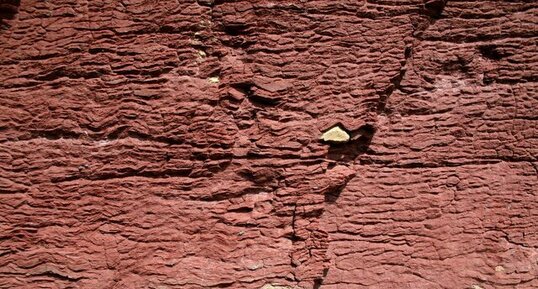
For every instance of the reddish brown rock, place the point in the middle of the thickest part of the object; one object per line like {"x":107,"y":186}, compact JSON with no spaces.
{"x":176,"y":144}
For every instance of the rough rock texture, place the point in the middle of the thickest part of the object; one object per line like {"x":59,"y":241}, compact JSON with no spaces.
{"x":175,"y":144}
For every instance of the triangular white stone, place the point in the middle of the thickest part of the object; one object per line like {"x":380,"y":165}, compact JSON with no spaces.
{"x":336,"y":135}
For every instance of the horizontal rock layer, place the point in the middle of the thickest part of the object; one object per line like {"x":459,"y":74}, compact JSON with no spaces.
{"x":176,"y":144}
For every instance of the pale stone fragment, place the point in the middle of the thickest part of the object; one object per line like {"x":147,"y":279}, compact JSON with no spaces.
{"x":335,"y":135}
{"x":214,"y":79}
{"x":269,"y":286}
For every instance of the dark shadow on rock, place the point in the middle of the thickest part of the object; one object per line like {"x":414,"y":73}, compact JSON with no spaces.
{"x":333,"y":195}
{"x":434,"y":8}
{"x":8,"y":10}
{"x":319,"y":282}
{"x":359,"y":143}
{"x":492,"y":51}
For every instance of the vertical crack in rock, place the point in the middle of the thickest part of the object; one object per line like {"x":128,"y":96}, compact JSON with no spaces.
{"x":432,"y":9}
{"x":293,"y":239}
{"x":293,"y":219}
{"x":310,"y":241}
{"x":395,"y":83}
{"x":362,"y":138}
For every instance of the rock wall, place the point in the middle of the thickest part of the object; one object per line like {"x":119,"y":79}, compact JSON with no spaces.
{"x":176,"y":144}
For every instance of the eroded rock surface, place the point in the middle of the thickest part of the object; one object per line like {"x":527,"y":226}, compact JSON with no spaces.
{"x":175,"y":144}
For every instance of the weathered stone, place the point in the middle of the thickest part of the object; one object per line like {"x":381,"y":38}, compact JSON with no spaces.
{"x":213,"y":79}
{"x":335,"y":135}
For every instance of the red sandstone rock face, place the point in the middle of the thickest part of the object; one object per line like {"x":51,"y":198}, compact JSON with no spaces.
{"x":175,"y":144}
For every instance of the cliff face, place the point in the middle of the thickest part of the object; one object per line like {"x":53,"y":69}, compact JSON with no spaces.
{"x":176,"y":144}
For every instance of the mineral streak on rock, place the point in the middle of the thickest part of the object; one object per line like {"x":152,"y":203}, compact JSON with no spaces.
{"x":175,"y":144}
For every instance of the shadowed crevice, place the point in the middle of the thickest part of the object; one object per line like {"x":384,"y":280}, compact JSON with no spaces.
{"x":358,"y":145}
{"x":248,"y":89}
{"x":434,"y":8}
{"x":492,"y":51}
{"x":8,"y":11}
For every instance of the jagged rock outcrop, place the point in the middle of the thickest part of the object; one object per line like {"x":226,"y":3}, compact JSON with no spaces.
{"x":176,"y":144}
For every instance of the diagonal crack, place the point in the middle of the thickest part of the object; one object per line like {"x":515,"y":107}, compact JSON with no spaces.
{"x":431,"y":10}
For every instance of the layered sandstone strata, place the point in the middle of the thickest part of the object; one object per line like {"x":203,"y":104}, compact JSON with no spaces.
{"x":176,"y":144}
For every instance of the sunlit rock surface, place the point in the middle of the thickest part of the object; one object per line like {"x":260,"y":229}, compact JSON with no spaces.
{"x":175,"y":144}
